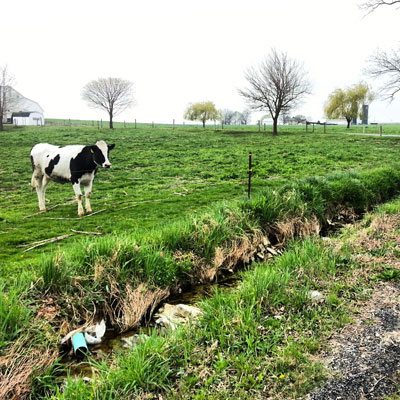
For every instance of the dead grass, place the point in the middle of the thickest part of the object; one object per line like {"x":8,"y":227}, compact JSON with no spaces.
{"x":18,"y":367}
{"x":240,"y":251}
{"x":370,"y":244}
{"x":48,"y":310}
{"x":135,"y":304}
{"x":296,"y":227}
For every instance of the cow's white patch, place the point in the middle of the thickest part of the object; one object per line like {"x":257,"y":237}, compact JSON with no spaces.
{"x":102,"y":145}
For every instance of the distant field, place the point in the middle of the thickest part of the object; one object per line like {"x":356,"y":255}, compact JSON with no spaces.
{"x":160,"y":174}
{"x":313,"y":128}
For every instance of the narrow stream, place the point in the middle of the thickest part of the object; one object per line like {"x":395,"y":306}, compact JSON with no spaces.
{"x":114,"y":342}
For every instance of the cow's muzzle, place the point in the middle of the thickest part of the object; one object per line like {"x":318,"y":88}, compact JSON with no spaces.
{"x":107,"y":165}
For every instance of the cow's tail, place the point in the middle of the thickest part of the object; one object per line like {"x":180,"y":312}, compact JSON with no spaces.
{"x":33,"y":180}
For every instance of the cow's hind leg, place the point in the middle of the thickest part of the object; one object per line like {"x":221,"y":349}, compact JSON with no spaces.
{"x":88,"y":192}
{"x":78,"y":196}
{"x":42,"y":193}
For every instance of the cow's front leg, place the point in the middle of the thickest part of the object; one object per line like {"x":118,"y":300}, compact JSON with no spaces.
{"x":78,"y":196}
{"x":88,"y":192}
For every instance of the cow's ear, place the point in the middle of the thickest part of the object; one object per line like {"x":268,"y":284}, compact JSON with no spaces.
{"x":111,"y":146}
{"x":92,"y":148}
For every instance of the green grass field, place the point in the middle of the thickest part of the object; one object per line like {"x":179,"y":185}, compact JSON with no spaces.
{"x":174,"y":200}
{"x":160,"y":174}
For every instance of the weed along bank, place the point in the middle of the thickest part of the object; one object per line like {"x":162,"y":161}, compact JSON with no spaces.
{"x":172,"y":222}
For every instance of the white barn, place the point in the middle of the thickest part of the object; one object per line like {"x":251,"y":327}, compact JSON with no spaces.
{"x":22,"y":111}
{"x":27,"y":118}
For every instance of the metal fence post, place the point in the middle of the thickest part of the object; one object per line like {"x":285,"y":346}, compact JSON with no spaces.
{"x":249,"y":184}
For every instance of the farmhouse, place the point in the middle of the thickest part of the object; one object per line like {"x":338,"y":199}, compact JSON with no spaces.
{"x":21,"y":110}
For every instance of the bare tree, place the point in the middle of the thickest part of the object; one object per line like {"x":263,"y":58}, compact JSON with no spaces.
{"x":371,"y":5}
{"x":113,"y":95}
{"x":230,"y":117}
{"x":299,"y":119}
{"x":277,"y":86}
{"x":386,"y":65}
{"x":227,"y":117}
{"x":7,"y":99}
{"x":245,"y":116}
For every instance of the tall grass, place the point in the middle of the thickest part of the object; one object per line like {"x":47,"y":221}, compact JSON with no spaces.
{"x":14,"y":316}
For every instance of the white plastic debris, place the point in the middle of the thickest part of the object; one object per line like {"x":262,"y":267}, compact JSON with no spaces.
{"x":94,"y":333}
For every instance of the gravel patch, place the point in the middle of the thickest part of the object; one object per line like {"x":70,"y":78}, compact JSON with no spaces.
{"x":364,"y":358}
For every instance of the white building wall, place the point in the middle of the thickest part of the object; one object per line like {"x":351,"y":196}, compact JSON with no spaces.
{"x":36,"y":119}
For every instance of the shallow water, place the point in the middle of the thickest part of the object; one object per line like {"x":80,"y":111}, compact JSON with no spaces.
{"x":114,"y":342}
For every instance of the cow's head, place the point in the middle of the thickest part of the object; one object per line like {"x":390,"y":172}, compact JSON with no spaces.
{"x":100,"y":153}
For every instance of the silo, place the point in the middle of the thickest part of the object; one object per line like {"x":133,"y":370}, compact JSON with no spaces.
{"x":365,"y":114}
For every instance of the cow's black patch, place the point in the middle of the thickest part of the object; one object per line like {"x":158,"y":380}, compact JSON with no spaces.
{"x":33,"y":164}
{"x":53,"y":162}
{"x":98,"y":155}
{"x":83,"y":163}
{"x":59,"y":179}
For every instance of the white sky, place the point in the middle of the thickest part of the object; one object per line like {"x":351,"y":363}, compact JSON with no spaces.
{"x":182,"y":51}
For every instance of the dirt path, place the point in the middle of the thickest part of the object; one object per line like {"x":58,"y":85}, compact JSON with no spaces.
{"x":364,"y":358}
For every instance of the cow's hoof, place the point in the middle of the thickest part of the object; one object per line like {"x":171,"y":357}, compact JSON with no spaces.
{"x":89,"y":210}
{"x":81,"y":213}
{"x":42,"y":209}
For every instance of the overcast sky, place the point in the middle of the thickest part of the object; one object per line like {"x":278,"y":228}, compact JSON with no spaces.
{"x":182,"y":51}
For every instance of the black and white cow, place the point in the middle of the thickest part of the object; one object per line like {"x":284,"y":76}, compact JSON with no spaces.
{"x":75,"y":164}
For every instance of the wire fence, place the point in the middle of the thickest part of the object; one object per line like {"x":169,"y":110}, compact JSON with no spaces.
{"x":376,"y":129}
